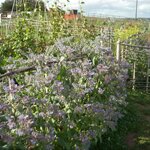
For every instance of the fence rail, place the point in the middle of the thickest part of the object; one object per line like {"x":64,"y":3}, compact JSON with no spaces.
{"x":139,"y":71}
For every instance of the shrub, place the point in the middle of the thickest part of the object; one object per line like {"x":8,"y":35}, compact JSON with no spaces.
{"x":72,"y":95}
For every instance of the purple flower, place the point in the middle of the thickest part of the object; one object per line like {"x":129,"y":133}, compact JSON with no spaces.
{"x":85,"y":140}
{"x":2,"y":125}
{"x":91,"y":73}
{"x":92,"y":133}
{"x":125,"y":64}
{"x":3,"y":107}
{"x":100,"y":91}
{"x":107,"y":79}
{"x":25,"y":121}
{"x":102,"y":68}
{"x":20,"y":132}
{"x":11,"y":124}
{"x":42,"y":114}
{"x":12,"y":88}
{"x":7,"y":138}
{"x":26,"y":100}
{"x":58,"y":86}
{"x":76,"y":71}
{"x":78,"y":109}
{"x":49,"y":78}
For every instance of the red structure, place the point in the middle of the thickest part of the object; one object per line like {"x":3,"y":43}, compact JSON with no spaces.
{"x":73,"y":14}
{"x":70,"y":16}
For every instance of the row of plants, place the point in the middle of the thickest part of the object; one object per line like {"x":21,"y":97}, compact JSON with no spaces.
{"x":69,"y":98}
{"x":33,"y":32}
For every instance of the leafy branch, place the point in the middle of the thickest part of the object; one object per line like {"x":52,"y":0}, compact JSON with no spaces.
{"x":33,"y":67}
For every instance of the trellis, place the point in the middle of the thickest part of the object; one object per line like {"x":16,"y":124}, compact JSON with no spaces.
{"x":6,"y":25}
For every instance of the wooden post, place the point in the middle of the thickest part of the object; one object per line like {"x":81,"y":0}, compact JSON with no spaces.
{"x":134,"y":72}
{"x":125,"y":51}
{"x":0,"y":18}
{"x":109,"y":34}
{"x":10,"y":87}
{"x":101,"y":43}
{"x":148,"y":74}
{"x":101,"y":31}
{"x":122,"y":52}
{"x":6,"y":29}
{"x":1,"y":30}
{"x":118,"y":50}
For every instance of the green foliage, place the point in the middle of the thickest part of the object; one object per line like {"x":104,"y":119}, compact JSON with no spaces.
{"x":126,"y":31}
{"x":74,"y":95}
{"x":7,"y":6}
{"x":21,"y":42}
{"x":57,"y":23}
{"x":33,"y":37}
{"x":21,"y":5}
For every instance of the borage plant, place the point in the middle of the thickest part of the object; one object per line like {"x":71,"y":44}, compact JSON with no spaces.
{"x":68,"y":98}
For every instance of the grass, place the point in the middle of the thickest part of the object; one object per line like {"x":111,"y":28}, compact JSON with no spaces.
{"x":141,"y":103}
{"x":133,"y":131}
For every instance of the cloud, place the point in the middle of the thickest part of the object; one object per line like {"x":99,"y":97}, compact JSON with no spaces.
{"x":118,"y":7}
{"x":124,"y":8}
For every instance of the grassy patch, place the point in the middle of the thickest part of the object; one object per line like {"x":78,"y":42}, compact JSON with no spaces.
{"x":133,"y":131}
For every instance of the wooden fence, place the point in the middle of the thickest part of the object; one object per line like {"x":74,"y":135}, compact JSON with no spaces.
{"x":138,"y":56}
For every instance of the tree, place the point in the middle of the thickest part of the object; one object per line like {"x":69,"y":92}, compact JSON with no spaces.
{"x":7,"y":5}
{"x":21,"y":5}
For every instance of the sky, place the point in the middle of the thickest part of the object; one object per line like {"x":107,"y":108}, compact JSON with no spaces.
{"x":123,"y":8}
